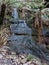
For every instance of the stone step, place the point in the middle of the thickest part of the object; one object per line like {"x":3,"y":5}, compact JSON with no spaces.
{"x":20,"y":28}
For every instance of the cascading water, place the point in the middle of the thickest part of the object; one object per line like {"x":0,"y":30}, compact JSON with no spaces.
{"x":15,"y":13}
{"x":21,"y":41}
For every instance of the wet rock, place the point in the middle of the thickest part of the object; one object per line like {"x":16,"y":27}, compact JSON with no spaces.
{"x":22,"y":36}
{"x":21,"y":44}
{"x":20,"y":28}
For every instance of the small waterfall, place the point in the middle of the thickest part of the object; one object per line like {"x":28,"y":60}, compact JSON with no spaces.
{"x":15,"y":13}
{"x":21,"y":40}
{"x":24,"y":22}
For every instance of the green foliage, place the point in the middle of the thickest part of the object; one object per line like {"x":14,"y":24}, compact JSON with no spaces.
{"x":8,"y":17}
{"x":32,"y":57}
{"x":38,"y":1}
{"x":32,"y":4}
{"x":29,"y":57}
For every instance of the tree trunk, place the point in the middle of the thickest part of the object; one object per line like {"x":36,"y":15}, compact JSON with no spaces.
{"x":2,"y":13}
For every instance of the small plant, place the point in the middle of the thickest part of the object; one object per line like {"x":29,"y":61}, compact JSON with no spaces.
{"x":29,"y":57}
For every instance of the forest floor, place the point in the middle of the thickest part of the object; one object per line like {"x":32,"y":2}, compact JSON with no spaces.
{"x":11,"y":58}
